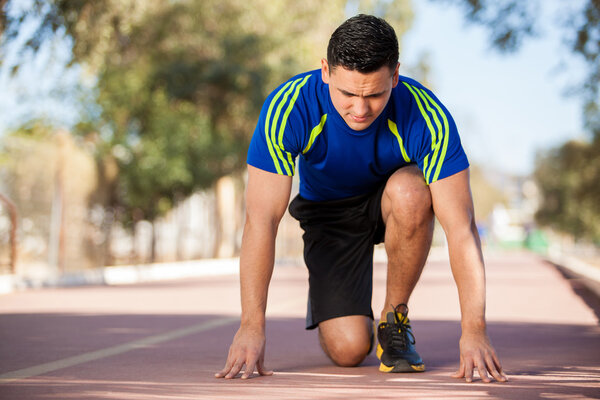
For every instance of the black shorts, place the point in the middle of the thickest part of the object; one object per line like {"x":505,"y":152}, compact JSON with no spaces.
{"x":339,"y":237}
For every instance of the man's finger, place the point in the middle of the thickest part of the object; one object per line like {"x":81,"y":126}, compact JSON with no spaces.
{"x":469,"y":371}
{"x":461,"y":371}
{"x":225,"y":370}
{"x":250,"y":366}
{"x":260,"y":367}
{"x":495,"y":369}
{"x":499,"y":367}
{"x":237,"y":367}
{"x":481,"y":368}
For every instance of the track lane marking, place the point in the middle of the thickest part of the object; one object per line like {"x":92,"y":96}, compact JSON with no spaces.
{"x":317,"y":374}
{"x":114,"y":350}
{"x":45,"y":368}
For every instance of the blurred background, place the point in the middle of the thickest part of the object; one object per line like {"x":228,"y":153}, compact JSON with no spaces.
{"x":124,"y":124}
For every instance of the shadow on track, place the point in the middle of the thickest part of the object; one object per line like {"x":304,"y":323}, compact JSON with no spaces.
{"x":542,"y":360}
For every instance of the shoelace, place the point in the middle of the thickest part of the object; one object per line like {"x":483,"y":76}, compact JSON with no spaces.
{"x":401,"y":330}
{"x":401,"y":334}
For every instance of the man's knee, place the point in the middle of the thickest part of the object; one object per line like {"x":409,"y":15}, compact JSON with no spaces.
{"x":346,"y":353}
{"x":407,"y":196}
{"x":347,"y":340}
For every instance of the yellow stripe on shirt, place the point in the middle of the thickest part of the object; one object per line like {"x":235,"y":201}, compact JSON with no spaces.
{"x":267,"y":125}
{"x":316,"y":131}
{"x":274,"y":135}
{"x":446,"y":135}
{"x":394,"y":128}
{"x":439,"y":139}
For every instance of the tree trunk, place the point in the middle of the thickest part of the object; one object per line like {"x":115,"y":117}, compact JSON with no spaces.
{"x":217,"y":227}
{"x":108,"y":220}
{"x":181,"y":217}
{"x":240,"y":210}
{"x":56,"y":256}
{"x":225,"y":204}
{"x":153,"y":240}
{"x":136,"y":216}
{"x":12,"y":211}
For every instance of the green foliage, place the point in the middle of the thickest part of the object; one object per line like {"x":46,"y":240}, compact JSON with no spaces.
{"x":180,"y":84}
{"x":568,"y":178}
{"x":509,"y":21}
{"x":179,"y":87}
{"x":177,"y":103}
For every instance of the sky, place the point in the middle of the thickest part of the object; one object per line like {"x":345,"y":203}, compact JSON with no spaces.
{"x":507,"y":107}
{"x":44,"y":86}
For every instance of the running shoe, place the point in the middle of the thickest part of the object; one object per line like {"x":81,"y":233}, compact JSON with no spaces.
{"x":396,"y":348}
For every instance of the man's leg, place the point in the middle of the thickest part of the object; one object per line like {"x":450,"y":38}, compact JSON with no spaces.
{"x":346,"y":340}
{"x":408,"y":215}
{"x":407,"y":211}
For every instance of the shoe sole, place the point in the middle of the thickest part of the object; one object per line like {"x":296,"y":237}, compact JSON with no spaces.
{"x":399,"y":366}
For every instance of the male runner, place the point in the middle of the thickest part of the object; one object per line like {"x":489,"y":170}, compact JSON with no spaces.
{"x":379,"y":156}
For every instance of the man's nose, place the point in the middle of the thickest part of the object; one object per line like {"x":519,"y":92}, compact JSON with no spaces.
{"x":361,"y":106}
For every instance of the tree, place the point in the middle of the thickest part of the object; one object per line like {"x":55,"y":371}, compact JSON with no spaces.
{"x":568,"y":175}
{"x":175,"y":100}
{"x":179,"y":84}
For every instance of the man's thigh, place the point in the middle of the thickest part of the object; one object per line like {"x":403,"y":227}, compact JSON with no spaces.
{"x":338,"y":239}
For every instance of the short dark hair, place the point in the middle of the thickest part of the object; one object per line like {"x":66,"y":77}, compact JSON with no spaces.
{"x":363,"y":43}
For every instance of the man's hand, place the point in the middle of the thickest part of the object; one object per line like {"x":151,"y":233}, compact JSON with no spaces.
{"x":476,"y":351}
{"x":248,"y":348}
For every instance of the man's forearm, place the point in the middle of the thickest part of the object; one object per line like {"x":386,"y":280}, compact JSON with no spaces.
{"x":453,"y":205}
{"x":256,"y":267}
{"x":468,"y":269}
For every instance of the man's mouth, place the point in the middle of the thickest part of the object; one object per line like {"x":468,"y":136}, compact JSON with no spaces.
{"x":356,"y":118}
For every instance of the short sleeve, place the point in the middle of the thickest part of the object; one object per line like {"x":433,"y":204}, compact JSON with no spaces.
{"x":274,"y":145}
{"x":434,"y":143}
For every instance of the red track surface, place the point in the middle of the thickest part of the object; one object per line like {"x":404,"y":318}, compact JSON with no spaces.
{"x":166,"y":340}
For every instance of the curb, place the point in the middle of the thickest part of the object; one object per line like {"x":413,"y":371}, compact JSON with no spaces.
{"x":576,"y":266}
{"x":7,"y":284}
{"x":587,"y":274}
{"x":126,"y":274}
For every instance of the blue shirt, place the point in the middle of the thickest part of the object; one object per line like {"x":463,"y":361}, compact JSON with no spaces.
{"x":299,"y":119}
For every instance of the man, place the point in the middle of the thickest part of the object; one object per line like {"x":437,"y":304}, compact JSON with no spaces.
{"x":379,"y":156}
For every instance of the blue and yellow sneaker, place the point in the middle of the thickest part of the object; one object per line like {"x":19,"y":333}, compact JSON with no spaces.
{"x":396,"y":348}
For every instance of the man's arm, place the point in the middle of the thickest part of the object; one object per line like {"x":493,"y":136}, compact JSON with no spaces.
{"x":267,"y":197}
{"x":453,"y":206}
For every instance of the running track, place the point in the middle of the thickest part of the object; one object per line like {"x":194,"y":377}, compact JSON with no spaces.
{"x":166,"y":340}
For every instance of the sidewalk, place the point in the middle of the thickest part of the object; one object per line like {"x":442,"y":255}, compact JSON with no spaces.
{"x":165,"y":340}
{"x":120,"y":275}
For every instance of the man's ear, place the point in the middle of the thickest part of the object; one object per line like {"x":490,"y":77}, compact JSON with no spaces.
{"x":396,"y":76}
{"x":324,"y":71}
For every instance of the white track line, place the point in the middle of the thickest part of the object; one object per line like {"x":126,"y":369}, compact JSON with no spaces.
{"x":111,"y":351}
{"x":318,"y":374}
{"x":136,"y":344}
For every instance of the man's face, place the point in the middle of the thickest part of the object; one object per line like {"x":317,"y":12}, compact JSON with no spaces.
{"x":359,"y":98}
